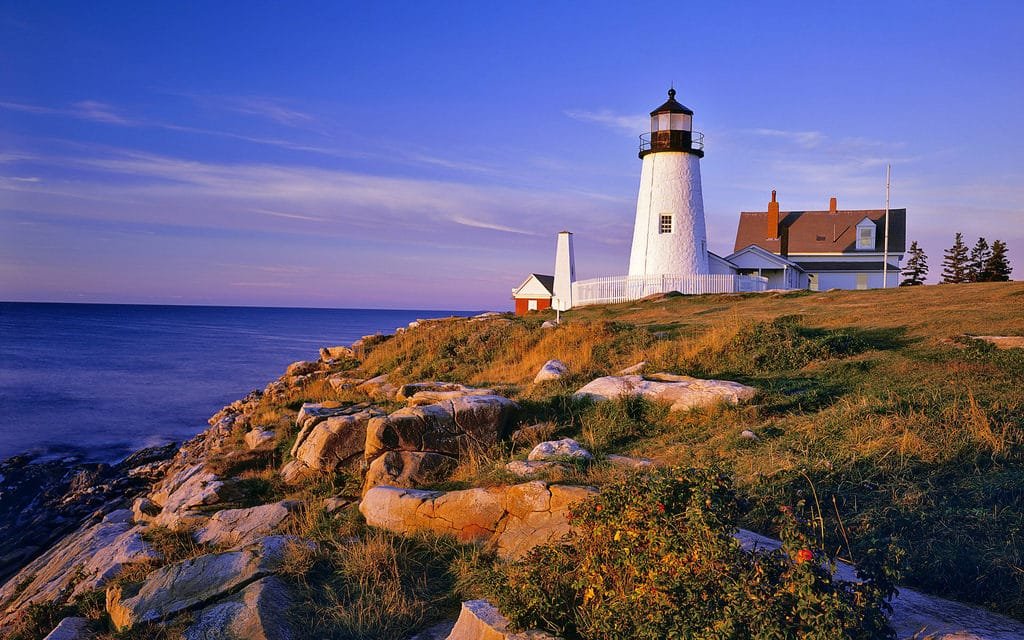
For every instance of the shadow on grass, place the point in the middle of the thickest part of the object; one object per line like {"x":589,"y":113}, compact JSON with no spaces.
{"x":959,"y":536}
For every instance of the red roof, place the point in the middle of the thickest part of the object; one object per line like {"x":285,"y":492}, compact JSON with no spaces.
{"x":803,"y":232}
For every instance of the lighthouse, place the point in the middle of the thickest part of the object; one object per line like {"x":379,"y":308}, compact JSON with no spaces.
{"x":669,"y":237}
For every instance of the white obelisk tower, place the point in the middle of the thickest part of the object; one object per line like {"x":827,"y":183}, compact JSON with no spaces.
{"x":669,"y":237}
{"x":565,"y":272}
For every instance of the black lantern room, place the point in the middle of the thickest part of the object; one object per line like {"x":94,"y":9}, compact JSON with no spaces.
{"x":672,"y":130}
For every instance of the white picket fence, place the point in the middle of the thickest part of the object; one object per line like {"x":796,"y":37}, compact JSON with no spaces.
{"x":625,"y":288}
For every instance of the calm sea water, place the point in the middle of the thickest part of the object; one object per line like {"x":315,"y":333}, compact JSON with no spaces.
{"x":99,"y":381}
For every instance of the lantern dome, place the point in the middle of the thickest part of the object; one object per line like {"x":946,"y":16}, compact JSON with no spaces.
{"x":672,"y":130}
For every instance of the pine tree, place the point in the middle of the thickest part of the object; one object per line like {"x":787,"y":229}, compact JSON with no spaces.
{"x":997,"y":267}
{"x":917,"y":267}
{"x":980,"y":254}
{"x":954,"y":262}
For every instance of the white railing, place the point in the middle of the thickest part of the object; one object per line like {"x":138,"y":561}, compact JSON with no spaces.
{"x":625,"y":288}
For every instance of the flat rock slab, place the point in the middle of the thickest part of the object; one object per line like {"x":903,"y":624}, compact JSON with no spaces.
{"x":552,"y":370}
{"x":378,"y":388}
{"x":529,"y":468}
{"x":512,"y":519}
{"x":340,"y":382}
{"x":564,"y":449}
{"x":71,"y":629}
{"x":336,"y":353}
{"x":450,"y":427}
{"x":681,"y":392}
{"x":408,"y":469}
{"x":481,"y":620}
{"x":312,"y":413}
{"x":256,"y":438}
{"x":260,"y":611}
{"x":242,"y":527}
{"x":185,"y":585}
{"x":430,"y":392}
{"x":328,"y":443}
{"x":83,"y":560}
{"x":183,"y":495}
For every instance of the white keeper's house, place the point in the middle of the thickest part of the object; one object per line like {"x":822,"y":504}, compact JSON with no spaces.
{"x":819,"y":250}
{"x":773,"y":249}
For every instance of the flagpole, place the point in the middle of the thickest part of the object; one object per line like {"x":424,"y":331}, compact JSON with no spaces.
{"x":885,"y":245}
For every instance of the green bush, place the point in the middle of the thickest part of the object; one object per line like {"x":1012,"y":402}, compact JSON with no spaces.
{"x":618,"y":422}
{"x":783,"y":344}
{"x":654,"y":557}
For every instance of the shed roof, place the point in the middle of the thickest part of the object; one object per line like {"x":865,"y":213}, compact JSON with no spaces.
{"x":802,"y":232}
{"x":547,"y":283}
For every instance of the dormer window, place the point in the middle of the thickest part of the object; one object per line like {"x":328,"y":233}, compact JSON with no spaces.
{"x":866,"y":235}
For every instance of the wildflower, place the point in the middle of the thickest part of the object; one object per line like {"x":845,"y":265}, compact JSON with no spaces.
{"x":804,"y":555}
{"x":661,"y":507}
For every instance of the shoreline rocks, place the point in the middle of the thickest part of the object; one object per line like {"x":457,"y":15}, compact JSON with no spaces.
{"x":511,"y":519}
{"x":190,"y":583}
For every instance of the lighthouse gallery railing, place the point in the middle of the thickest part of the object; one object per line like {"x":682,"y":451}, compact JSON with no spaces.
{"x":625,"y":288}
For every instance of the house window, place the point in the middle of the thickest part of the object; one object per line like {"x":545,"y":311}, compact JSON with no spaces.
{"x":862,"y":281}
{"x":531,"y":305}
{"x":866,"y":237}
{"x":665,"y":224}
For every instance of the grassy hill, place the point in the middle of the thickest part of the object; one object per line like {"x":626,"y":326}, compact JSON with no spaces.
{"x":873,"y":410}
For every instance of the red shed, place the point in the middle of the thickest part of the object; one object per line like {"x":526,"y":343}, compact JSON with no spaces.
{"x":534,"y":294}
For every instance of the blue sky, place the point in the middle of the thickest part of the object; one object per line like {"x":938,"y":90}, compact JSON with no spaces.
{"x":423,"y":155}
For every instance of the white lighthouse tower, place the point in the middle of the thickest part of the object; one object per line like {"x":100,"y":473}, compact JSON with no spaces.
{"x":669,"y":237}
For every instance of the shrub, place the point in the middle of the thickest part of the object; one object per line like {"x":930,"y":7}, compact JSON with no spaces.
{"x":606,"y":425}
{"x":654,"y":557}
{"x":782,"y":344}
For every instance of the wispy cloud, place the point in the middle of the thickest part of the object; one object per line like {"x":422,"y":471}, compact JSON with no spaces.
{"x":92,"y":110}
{"x":99,"y":112}
{"x":290,"y":216}
{"x":805,"y":139}
{"x":626,"y":124}
{"x":167,"y":190}
{"x":269,"y":108}
{"x":492,"y":226}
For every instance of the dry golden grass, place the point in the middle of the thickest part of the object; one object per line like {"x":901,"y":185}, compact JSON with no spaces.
{"x":929,"y":312}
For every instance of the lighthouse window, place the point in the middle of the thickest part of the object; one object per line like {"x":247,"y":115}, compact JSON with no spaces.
{"x":665,"y":224}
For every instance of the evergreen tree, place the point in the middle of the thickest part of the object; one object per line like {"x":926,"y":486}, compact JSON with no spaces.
{"x":955,"y":261}
{"x":917,"y":267}
{"x":997,"y":267}
{"x":980,"y":254}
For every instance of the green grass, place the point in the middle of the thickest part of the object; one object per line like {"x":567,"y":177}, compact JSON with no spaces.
{"x":870,"y":400}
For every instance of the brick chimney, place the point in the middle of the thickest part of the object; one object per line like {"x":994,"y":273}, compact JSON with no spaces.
{"x":832,"y":206}
{"x":773,"y":218}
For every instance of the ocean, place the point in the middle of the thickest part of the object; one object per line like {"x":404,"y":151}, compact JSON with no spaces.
{"x":96,"y":382}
